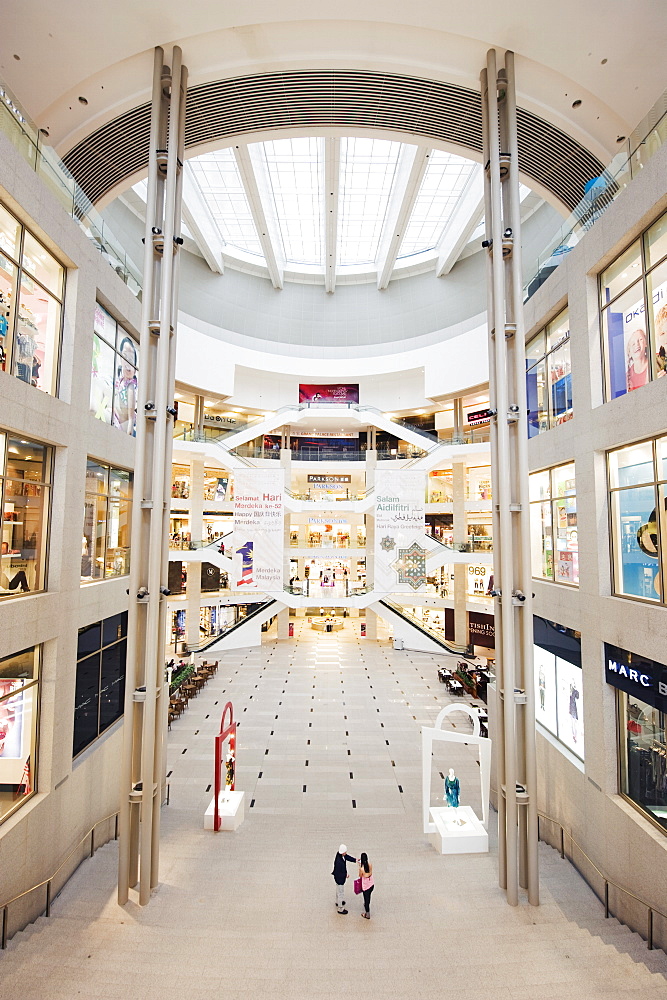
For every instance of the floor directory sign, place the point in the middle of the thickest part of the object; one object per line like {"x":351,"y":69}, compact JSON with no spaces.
{"x":400,"y":552}
{"x":259,"y":512}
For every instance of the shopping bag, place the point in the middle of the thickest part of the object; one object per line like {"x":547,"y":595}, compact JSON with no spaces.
{"x":357,"y":886}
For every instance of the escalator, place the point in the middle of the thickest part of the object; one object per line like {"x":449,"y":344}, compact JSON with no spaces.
{"x":413,"y":633}
{"x":260,"y":614}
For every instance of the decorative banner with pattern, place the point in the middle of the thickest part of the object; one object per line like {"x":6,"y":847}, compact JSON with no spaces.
{"x":259,"y":512}
{"x":400,"y":551}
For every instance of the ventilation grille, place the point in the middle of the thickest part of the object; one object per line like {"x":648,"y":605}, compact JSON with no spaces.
{"x":332,"y":99}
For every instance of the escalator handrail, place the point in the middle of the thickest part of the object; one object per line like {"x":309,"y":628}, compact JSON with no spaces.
{"x":411,"y":620}
{"x":201,"y":646}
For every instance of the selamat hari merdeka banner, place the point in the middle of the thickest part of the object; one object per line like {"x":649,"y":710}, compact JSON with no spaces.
{"x":400,"y":552}
{"x":259,"y":512}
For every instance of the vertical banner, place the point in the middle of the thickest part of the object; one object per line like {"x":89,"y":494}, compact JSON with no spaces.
{"x":257,"y":561}
{"x":400,"y":553}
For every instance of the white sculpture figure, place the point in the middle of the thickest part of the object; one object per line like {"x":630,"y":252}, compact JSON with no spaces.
{"x":452,"y":792}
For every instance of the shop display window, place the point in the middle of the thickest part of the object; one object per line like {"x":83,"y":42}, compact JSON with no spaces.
{"x":114,"y":373}
{"x":553,"y":525}
{"x":638,"y":498}
{"x":19,"y":713}
{"x":25,"y":472}
{"x":31,"y":293}
{"x":549,"y":376}
{"x":105,"y":544}
{"x":100,"y":679}
{"x":643,"y":756}
{"x":559,"y":697}
{"x":633,"y":310}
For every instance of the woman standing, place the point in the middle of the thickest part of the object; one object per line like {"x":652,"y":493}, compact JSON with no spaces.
{"x":367,"y":883}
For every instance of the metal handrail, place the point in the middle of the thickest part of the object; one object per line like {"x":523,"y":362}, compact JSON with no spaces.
{"x":48,"y":881}
{"x":651,"y":909}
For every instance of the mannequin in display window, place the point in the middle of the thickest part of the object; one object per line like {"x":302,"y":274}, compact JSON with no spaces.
{"x":452,"y":789}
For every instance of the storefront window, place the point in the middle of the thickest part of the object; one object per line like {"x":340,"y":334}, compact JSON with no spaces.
{"x":114,"y":375}
{"x":19,"y":700}
{"x":25,"y":469}
{"x":638,"y":494}
{"x":549,"y":376}
{"x":644,"y":756}
{"x":100,"y":679}
{"x":553,"y":525}
{"x":105,"y":545}
{"x":633,"y":306}
{"x":559,"y":698}
{"x":33,"y":278}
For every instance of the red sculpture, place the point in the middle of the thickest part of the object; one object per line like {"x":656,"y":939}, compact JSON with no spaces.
{"x":228,"y":730}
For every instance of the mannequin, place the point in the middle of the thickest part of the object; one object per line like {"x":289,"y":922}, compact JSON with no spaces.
{"x":452,"y":789}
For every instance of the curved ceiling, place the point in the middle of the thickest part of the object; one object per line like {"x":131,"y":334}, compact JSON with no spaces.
{"x":338,"y":100}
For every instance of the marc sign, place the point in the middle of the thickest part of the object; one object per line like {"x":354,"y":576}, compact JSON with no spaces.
{"x":637,"y":675}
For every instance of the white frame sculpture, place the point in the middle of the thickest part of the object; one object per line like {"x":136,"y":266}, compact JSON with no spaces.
{"x":437,"y":733}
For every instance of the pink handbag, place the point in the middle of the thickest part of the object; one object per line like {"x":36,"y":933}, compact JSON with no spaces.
{"x":357,"y":886}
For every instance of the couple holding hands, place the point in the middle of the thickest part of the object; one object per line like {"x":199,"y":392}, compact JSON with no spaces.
{"x":364,"y":883}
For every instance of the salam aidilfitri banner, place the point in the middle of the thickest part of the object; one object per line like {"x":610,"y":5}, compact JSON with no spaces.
{"x":400,"y":553}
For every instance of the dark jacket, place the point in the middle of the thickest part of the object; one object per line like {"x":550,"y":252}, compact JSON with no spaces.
{"x":340,"y":867}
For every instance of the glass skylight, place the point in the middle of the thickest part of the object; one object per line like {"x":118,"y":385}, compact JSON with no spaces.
{"x":295,"y":168}
{"x":443,"y":183}
{"x":221,"y":185}
{"x":367,"y":171}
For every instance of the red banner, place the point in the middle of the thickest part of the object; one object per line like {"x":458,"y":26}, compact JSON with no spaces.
{"x":335,"y":393}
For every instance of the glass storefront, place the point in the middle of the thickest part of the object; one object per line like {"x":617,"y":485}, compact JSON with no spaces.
{"x":641,"y":691}
{"x":549,"y":376}
{"x":100,"y":679}
{"x":19,"y":714}
{"x":114,"y":373}
{"x":105,"y":545}
{"x":31,"y":294}
{"x":553,"y":525}
{"x":559,"y":695}
{"x":25,"y":472}
{"x":638,"y":502}
{"x":633,"y":313}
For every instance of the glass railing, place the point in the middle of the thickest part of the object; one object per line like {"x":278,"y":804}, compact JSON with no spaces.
{"x":319,"y":592}
{"x":475,"y":543}
{"x":649,"y":136}
{"x":432,"y":632}
{"x":327,"y":543}
{"x":27,"y":139}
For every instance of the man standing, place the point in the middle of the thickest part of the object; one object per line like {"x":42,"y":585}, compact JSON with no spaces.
{"x":340,"y":875}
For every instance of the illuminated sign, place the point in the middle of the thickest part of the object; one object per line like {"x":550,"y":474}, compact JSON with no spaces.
{"x":636,"y":675}
{"x":328,"y":480}
{"x":479,"y":417}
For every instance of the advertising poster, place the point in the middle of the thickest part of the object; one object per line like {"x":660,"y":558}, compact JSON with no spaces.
{"x":570,"y":705}
{"x":629,"y":362}
{"x":400,"y":553}
{"x":257,"y":559}
{"x":221,"y":489}
{"x":545,"y":689}
{"x":14,"y":730}
{"x":481,"y":629}
{"x":335,"y":393}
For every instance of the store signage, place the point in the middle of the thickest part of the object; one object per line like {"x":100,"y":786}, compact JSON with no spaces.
{"x":335,"y":393}
{"x":636,"y":675}
{"x":328,"y":480}
{"x":400,"y":553}
{"x":259,"y":512}
{"x":217,"y":418}
{"x":481,"y":629}
{"x":322,"y":435}
{"x":480,"y":417}
{"x":327,"y":520}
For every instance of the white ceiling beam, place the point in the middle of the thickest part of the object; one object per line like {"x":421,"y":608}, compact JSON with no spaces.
{"x":410,"y":170}
{"x":256,"y":183}
{"x":463,"y":221}
{"x":331,"y":199}
{"x":199,"y":220}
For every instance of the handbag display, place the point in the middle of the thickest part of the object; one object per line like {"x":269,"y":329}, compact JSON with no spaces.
{"x":357,"y":886}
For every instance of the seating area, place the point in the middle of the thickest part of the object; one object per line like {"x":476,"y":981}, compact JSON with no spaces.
{"x":181,"y":694}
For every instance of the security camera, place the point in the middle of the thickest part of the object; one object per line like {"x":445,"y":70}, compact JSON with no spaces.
{"x":173,"y":411}
{"x":165,"y":591}
{"x":141,"y":593}
{"x":156,"y":232}
{"x":507,"y":235}
{"x":178,"y":240}
{"x":496,"y":593}
{"x":150,"y":405}
{"x":514,"y":408}
{"x":486,"y":244}
{"x":519,"y":596}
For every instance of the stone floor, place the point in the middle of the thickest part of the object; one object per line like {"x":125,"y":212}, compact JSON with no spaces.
{"x":328,"y":751}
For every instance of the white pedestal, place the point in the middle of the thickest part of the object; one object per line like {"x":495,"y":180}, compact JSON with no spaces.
{"x":231,"y":808}
{"x":453,"y":837}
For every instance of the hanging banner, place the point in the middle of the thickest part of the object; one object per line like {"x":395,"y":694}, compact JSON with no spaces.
{"x":257,"y":560}
{"x":400,"y":553}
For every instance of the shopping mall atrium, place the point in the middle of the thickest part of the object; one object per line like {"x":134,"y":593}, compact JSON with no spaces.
{"x":333,"y":478}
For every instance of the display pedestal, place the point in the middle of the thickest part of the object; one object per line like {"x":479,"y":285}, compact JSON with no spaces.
{"x":452,"y":837}
{"x":231,"y":808}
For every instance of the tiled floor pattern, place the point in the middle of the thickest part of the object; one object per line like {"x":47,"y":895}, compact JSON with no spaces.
{"x":329,"y":750}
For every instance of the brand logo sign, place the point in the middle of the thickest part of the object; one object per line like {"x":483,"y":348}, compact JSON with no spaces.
{"x":636,"y":675}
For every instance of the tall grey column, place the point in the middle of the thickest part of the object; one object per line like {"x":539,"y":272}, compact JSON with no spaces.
{"x":515,"y":709}
{"x":146,"y":692}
